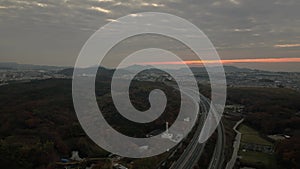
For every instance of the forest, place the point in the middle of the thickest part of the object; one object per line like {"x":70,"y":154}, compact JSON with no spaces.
{"x":39,"y":124}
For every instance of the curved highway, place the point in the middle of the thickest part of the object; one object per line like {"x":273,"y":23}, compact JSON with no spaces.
{"x":193,"y":151}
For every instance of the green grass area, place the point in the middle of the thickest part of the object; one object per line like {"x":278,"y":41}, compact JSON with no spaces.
{"x":252,"y":158}
{"x":249,"y":135}
{"x":258,"y":159}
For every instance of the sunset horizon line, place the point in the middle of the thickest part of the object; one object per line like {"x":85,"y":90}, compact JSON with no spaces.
{"x":226,"y":61}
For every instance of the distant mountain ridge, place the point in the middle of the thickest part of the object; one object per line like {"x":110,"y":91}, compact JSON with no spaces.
{"x":108,"y":73}
{"x":69,"y":70}
{"x":227,"y":69}
{"x":90,"y":70}
{"x":194,"y":69}
{"x":17,"y":66}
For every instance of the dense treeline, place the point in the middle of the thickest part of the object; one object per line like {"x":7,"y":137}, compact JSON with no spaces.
{"x":39,"y":124}
{"x":273,"y":111}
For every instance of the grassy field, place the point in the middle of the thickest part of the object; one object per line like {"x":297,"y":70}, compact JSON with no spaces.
{"x":252,"y":158}
{"x":258,"y":159}
{"x":249,"y":135}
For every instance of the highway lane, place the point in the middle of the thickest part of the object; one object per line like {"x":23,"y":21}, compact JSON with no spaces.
{"x":186,"y":156}
{"x":218,"y":156}
{"x":194,"y":150}
{"x":196,"y":153}
{"x":194,"y":140}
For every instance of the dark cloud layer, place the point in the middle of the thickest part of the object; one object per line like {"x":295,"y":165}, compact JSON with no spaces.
{"x":53,"y":32}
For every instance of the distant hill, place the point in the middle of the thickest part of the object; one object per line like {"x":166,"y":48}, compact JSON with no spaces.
{"x":137,"y":67}
{"x":194,"y":69}
{"x":16,"y":66}
{"x":227,"y":69}
{"x":87,"y":71}
{"x":102,"y":70}
{"x":68,"y":71}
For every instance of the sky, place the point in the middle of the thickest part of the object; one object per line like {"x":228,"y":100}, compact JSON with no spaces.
{"x":53,"y":32}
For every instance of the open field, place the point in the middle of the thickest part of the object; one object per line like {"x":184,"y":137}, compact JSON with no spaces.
{"x":249,"y":135}
{"x":253,"y":158}
{"x":258,"y":159}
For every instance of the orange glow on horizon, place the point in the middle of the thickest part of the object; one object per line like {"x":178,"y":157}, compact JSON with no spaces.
{"x":227,"y":61}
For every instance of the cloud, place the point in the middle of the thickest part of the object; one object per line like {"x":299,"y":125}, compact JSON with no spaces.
{"x":111,"y":20}
{"x":242,"y":30}
{"x":233,"y":26}
{"x":41,"y":5}
{"x":216,"y":3}
{"x":4,"y":7}
{"x":104,"y":0}
{"x":31,"y":3}
{"x":136,"y":15}
{"x":286,"y":45}
{"x":235,"y":2}
{"x":152,"y":4}
{"x":99,"y":9}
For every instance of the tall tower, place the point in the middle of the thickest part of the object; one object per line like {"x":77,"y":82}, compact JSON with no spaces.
{"x":167,"y":127}
{"x":166,"y":134}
